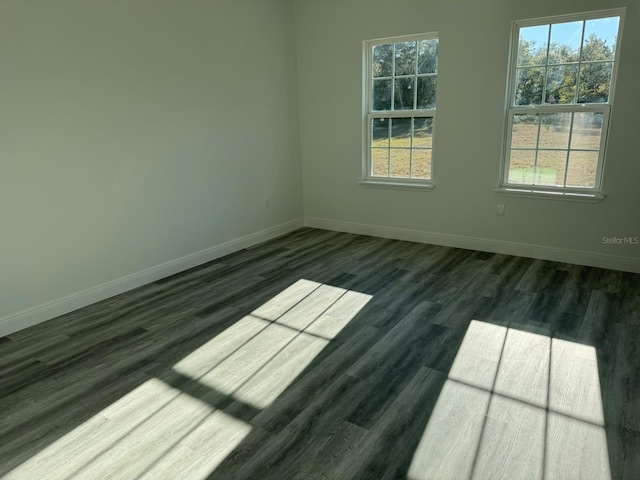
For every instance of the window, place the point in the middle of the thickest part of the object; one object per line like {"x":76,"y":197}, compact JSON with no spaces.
{"x":561,"y":86}
{"x":401,"y":78}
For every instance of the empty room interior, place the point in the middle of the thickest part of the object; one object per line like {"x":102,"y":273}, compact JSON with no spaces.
{"x":302,"y":239}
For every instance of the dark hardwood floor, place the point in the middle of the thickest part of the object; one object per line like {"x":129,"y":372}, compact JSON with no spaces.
{"x":323,"y":355}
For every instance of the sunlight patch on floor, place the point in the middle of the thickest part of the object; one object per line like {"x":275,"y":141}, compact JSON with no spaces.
{"x":151,"y":427}
{"x":516,"y":405}
{"x":257,"y":358}
{"x":169,"y":427}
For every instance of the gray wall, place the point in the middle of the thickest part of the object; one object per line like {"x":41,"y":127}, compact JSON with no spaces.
{"x":134,"y":132}
{"x":474,"y":46}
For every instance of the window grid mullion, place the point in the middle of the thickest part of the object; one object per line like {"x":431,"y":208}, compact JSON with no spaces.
{"x":577,"y":94}
{"x":404,"y":113}
{"x":413,"y":121}
{"x":535,"y":161}
{"x":393,"y":78}
{"x":389,"y":149}
{"x":415,"y":107}
{"x":605,"y":126}
{"x":546,"y":70}
{"x":563,"y":64}
{"x":525,"y":149}
{"x":566,"y":163}
{"x":415,"y":81}
{"x":369,"y":166}
{"x":508,"y":148}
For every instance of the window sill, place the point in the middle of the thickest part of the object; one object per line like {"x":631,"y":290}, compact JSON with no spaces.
{"x":398,"y":185}
{"x":549,"y":194}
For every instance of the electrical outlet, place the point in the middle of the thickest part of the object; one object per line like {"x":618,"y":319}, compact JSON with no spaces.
{"x":501,"y":210}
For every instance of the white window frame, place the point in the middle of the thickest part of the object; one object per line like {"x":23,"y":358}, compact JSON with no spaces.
{"x":369,"y":114}
{"x":596,"y":193}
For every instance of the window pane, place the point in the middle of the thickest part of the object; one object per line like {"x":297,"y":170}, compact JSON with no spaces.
{"x":382,"y":60}
{"x":582,"y":169}
{"x":423,"y":132}
{"x":380,"y":132}
{"x":600,"y":37}
{"x":529,"y":86}
{"x":380,"y":162}
{"x":401,"y":132}
{"x":405,"y":58}
{"x":428,"y":56}
{"x":565,"y":42}
{"x":400,"y":162}
{"x":382,"y":94}
{"x":403,"y":94}
{"x":427,"y":92}
{"x":524,"y":133}
{"x":532,"y":45}
{"x":587,"y":131}
{"x":554,"y":130}
{"x":421,"y":164}
{"x":521,"y":166}
{"x":551,"y":167}
{"x":595,"y":82}
{"x":561,"y":84}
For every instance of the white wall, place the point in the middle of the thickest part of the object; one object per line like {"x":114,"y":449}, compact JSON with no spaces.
{"x":474,"y":44}
{"x":134,"y":132}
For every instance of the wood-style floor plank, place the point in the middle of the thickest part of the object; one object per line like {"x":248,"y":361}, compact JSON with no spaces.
{"x":325,"y":355}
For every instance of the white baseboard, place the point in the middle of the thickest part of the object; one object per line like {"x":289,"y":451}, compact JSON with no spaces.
{"x":576,"y":257}
{"x":49,"y":310}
